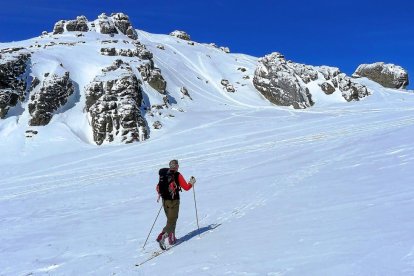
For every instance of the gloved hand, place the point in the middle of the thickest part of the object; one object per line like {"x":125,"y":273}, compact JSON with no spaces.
{"x":192,"y":180}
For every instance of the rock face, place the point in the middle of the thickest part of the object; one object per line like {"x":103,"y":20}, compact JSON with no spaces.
{"x":59,"y":27}
{"x":116,"y":23}
{"x":139,"y":51}
{"x":123,"y":24}
{"x":153,"y":76}
{"x":13,"y":64}
{"x":53,"y":94}
{"x":106,"y":26}
{"x":388,"y":75}
{"x":180,"y":34}
{"x":327,"y":88}
{"x":277,"y":80}
{"x":351,"y":91}
{"x":113,"y":101}
{"x":80,"y":24}
{"x":285,"y":82}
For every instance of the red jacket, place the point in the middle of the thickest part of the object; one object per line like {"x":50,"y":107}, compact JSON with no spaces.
{"x":183,"y":183}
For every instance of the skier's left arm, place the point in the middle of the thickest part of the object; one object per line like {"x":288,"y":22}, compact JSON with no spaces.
{"x":183,"y":183}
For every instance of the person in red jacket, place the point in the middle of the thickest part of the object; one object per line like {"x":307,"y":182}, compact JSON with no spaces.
{"x":168,"y":188}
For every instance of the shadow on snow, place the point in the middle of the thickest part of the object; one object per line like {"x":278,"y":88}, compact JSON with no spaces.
{"x":197,"y":232}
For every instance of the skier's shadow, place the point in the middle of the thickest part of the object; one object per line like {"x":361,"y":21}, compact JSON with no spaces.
{"x":197,"y":232}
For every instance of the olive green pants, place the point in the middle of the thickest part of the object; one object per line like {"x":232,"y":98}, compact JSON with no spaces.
{"x":171,"y":208}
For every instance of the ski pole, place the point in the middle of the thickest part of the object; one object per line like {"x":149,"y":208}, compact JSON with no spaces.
{"x":152,"y":227}
{"x":195,"y":204}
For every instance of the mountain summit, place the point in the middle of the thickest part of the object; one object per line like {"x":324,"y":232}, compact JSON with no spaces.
{"x":121,"y":84}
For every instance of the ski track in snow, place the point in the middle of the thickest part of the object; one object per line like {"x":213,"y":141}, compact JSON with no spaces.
{"x":86,"y":175}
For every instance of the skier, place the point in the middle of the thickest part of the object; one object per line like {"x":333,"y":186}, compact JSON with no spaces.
{"x":168,"y":188}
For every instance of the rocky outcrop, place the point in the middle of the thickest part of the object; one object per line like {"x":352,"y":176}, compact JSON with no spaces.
{"x":52,"y":94}
{"x":59,"y":27}
{"x":106,"y":26}
{"x":351,"y":91}
{"x":123,"y":24}
{"x":388,"y":75}
{"x":114,"y":24}
{"x":13,"y":64}
{"x":278,"y":82}
{"x":285,"y":82}
{"x":80,"y":24}
{"x":113,"y":101}
{"x":181,"y":35}
{"x":153,"y":76}
{"x":225,"y":49}
{"x":156,"y":80}
{"x":228,"y":86}
{"x":185,"y":93}
{"x":327,"y":88}
{"x":140,"y":51}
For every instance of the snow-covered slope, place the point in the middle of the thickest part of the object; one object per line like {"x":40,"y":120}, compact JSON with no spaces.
{"x":322,"y":191}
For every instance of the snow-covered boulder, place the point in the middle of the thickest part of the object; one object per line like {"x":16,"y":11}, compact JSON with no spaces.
{"x":13,"y":64}
{"x":388,"y":75}
{"x":225,"y":49}
{"x":180,"y":34}
{"x":228,"y":86}
{"x":277,"y":80}
{"x":47,"y":98}
{"x":113,"y":101}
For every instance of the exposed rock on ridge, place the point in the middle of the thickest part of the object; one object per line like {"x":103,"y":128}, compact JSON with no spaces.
{"x":388,"y":75}
{"x":116,"y":23}
{"x":180,"y":34}
{"x":277,"y":80}
{"x":80,"y":24}
{"x":123,"y":24}
{"x":284,"y":82}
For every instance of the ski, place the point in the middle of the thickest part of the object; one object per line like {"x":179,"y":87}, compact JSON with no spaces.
{"x":181,"y":240}
{"x":159,"y":252}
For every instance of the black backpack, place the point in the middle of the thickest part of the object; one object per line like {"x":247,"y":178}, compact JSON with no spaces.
{"x":168,"y":186}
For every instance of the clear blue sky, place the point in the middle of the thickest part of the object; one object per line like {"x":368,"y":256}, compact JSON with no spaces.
{"x":316,"y":32}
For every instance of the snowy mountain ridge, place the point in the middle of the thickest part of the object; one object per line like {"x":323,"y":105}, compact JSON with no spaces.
{"x":67,"y":71}
{"x":302,"y":169}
